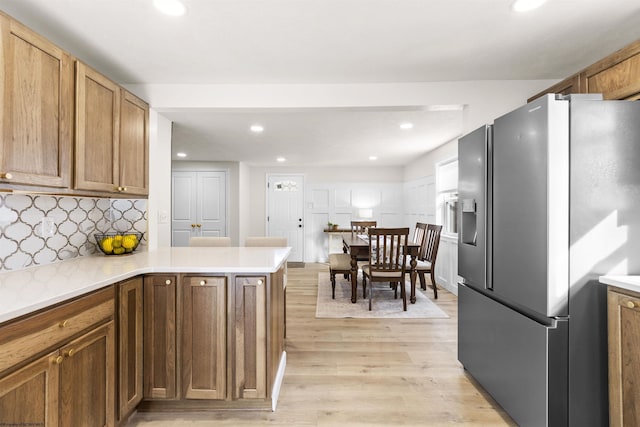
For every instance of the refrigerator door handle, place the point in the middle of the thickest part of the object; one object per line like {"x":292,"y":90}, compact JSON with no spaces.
{"x":488,"y":240}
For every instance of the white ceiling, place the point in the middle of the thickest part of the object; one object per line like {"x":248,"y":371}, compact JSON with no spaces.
{"x":328,"y":41}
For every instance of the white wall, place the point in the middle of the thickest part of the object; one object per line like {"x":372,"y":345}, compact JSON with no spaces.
{"x":159,"y":206}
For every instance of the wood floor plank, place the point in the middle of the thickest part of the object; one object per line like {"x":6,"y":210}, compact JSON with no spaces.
{"x":361,"y":372}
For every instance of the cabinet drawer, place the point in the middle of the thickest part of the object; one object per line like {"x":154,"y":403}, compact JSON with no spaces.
{"x":28,"y":337}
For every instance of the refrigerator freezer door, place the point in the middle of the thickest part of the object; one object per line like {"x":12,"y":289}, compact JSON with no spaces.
{"x":530,"y":202}
{"x":472,"y":191}
{"x":521,"y":363}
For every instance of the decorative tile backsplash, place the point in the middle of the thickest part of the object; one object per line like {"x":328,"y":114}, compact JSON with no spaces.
{"x":40,"y":229}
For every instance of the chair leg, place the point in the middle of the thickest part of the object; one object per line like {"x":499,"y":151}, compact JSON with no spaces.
{"x":423,"y":284}
{"x":364,"y":286}
{"x":370,"y":294}
{"x":433,"y":283}
{"x":403,"y":293}
{"x":333,"y":285}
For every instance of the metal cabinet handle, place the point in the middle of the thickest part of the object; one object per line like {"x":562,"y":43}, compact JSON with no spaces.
{"x":630,"y":304}
{"x":58,"y":360}
{"x":167,"y":282}
{"x":198,"y":225}
{"x":6,"y":175}
{"x":63,"y":324}
{"x":203,"y":282}
{"x":70,"y":353}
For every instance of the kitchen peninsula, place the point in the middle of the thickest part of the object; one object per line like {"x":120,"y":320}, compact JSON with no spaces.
{"x":169,"y":329}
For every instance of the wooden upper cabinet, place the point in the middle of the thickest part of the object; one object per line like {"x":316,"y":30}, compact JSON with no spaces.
{"x":134,"y":144}
{"x":97,"y":131}
{"x":567,"y":86}
{"x":36,"y":108}
{"x":617,"y":76}
{"x":112,"y":136}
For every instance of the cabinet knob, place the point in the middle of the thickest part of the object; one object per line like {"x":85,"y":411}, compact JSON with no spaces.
{"x":630,"y":304}
{"x":64,"y":324}
{"x":198,"y":225}
{"x":70,"y":353}
{"x":6,"y":175}
{"x":193,"y":226}
{"x":260,"y":281}
{"x":167,"y":282}
{"x":58,"y":360}
{"x":121,"y":189}
{"x":203,"y":282}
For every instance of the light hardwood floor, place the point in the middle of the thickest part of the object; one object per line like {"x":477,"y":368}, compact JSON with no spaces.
{"x":362,"y":372}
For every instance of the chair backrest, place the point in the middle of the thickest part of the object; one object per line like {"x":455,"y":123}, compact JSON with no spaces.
{"x":429,"y":248}
{"x":262,"y":241}
{"x":361,"y":227}
{"x":419,"y":232}
{"x":210,"y":241}
{"x":387,"y":249}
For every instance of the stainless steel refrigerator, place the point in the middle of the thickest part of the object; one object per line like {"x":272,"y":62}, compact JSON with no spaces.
{"x":550,"y":200}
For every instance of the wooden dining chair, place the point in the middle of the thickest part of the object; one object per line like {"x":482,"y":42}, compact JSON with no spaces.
{"x":210,"y":241}
{"x":418,"y":233}
{"x":361,"y":227}
{"x":427,"y":256}
{"x":387,"y":260}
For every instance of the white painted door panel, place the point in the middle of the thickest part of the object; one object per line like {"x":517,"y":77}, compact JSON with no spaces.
{"x":285,"y":195}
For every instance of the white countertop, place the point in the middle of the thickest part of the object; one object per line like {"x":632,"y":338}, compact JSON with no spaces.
{"x":631,"y":283}
{"x":34,"y":288}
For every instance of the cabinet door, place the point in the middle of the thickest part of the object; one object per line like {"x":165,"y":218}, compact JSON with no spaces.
{"x":29,"y":396}
{"x":36,"y":108}
{"x":129,"y":346}
{"x":204,"y":352}
{"x":624,"y":359}
{"x":617,"y":76}
{"x":97,"y":131}
{"x":134,"y":145}
{"x":87,"y":379}
{"x":159,"y":337}
{"x":250,"y":340}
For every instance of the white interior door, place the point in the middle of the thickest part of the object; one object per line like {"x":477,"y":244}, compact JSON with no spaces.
{"x":212,"y":203}
{"x":199,"y":205}
{"x":285,"y":212}
{"x":183,"y":207}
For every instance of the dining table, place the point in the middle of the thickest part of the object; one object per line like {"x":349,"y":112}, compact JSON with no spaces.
{"x":357,"y":246}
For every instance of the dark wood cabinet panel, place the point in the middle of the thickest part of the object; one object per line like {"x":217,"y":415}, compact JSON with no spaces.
{"x":36,"y":113}
{"x":624,"y":358}
{"x":29,"y":396}
{"x":204,"y":337}
{"x":160,"y":337}
{"x":130,"y":346}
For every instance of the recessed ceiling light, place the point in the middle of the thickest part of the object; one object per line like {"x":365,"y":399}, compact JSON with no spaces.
{"x":170,"y":7}
{"x":406,"y":126}
{"x":373,"y":157}
{"x":527,"y":5}
{"x":281,"y":159}
{"x":256,"y":128}
{"x":181,"y":154}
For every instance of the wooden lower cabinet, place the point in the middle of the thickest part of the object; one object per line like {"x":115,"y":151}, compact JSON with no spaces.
{"x":204,"y":337}
{"x":624,"y":357}
{"x":72,"y":386}
{"x":130,"y":321}
{"x":29,"y":396}
{"x":87,"y":379}
{"x":160,"y":337}
{"x":250,"y":338}
{"x":230,"y":330}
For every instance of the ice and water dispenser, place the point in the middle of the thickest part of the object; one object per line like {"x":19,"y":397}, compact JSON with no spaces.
{"x":469,"y":222}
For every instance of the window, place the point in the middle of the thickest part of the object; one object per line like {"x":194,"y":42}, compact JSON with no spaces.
{"x":447,"y":196}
